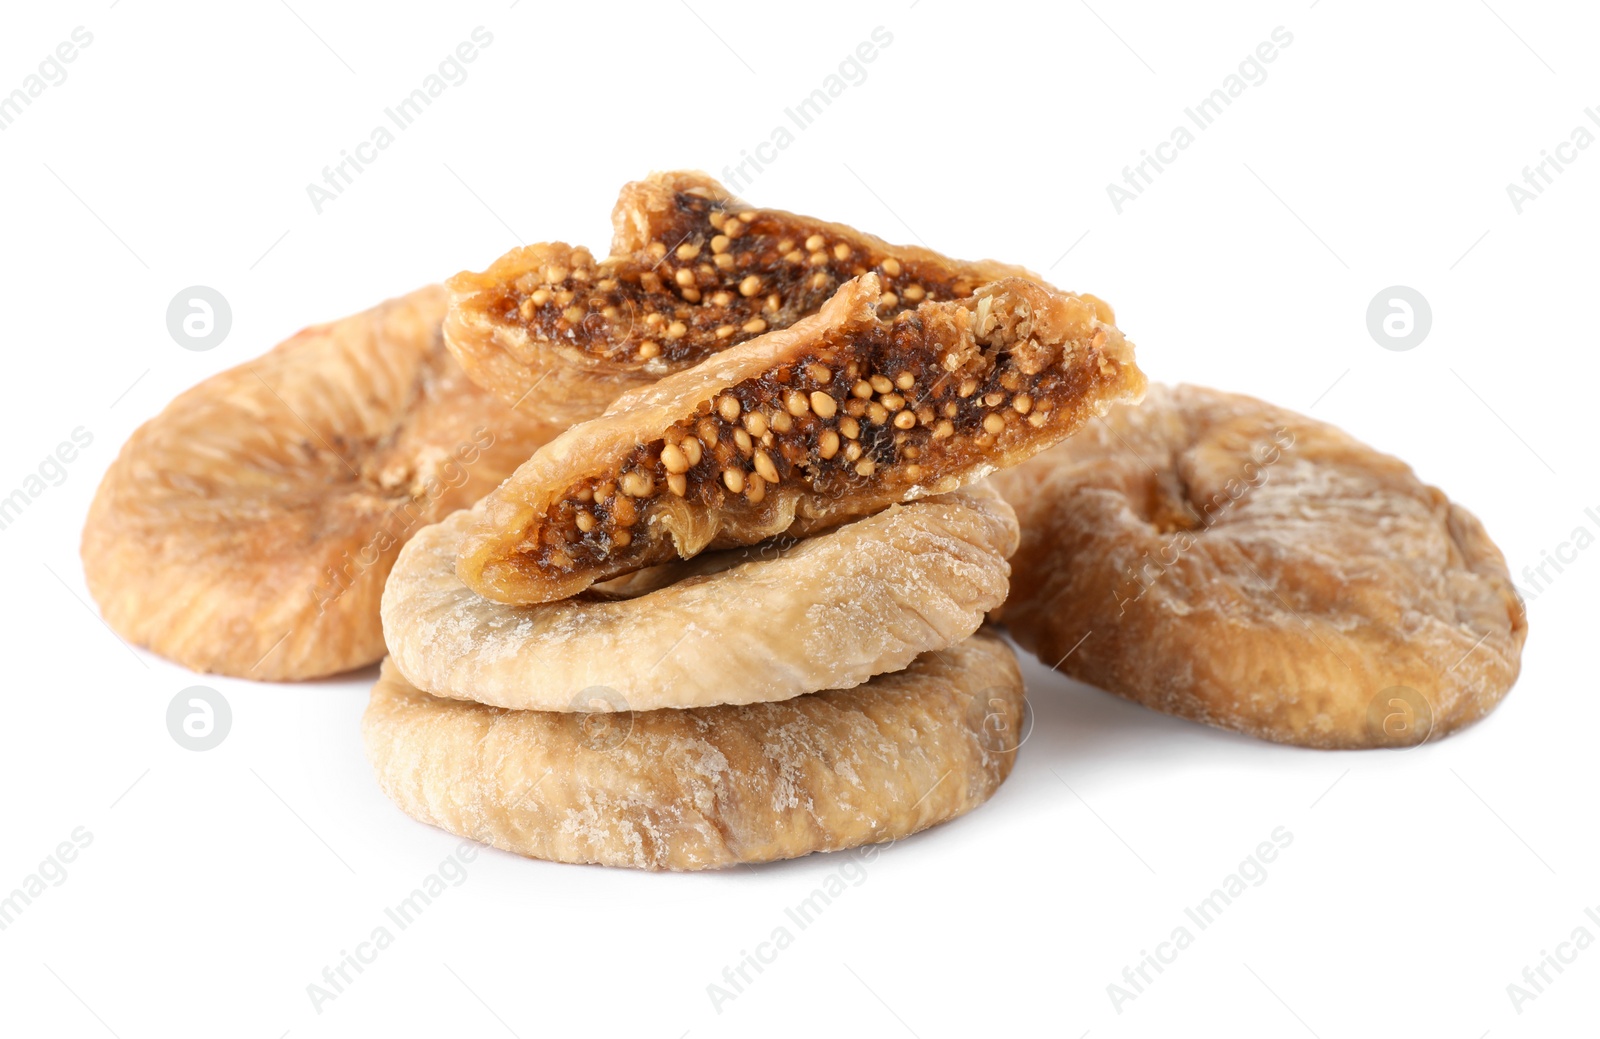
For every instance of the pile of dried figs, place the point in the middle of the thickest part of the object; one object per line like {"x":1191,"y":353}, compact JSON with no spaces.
{"x":691,"y":555}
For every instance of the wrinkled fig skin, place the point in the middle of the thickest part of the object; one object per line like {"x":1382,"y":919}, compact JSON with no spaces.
{"x":692,"y":271}
{"x":838,"y":416}
{"x":709,"y":787}
{"x":1224,"y":560}
{"x":247,"y":529}
{"x":766,"y":622}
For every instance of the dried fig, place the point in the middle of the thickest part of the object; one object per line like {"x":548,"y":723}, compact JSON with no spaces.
{"x":762,"y":623}
{"x":248,"y":528}
{"x":692,"y":271}
{"x":711,"y":786}
{"x":1225,"y":560}
{"x":800,"y":429}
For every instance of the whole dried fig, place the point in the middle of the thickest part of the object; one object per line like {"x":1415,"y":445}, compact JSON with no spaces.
{"x":766,"y":622}
{"x":707,"y":787}
{"x":1221,"y":559}
{"x":247,"y":529}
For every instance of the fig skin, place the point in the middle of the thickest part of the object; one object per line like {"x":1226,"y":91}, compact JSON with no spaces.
{"x":248,"y":528}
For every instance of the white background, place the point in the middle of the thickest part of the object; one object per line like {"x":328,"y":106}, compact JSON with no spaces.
{"x":1376,"y":152}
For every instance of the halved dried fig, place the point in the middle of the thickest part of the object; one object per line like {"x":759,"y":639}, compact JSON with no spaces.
{"x":692,"y":271}
{"x":1221,"y":559}
{"x":248,"y":528}
{"x":767,"y":622}
{"x":801,"y":429}
{"x":711,"y":786}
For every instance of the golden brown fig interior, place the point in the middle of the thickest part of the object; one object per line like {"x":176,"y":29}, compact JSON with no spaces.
{"x":839,"y":416}
{"x":693,"y":271}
